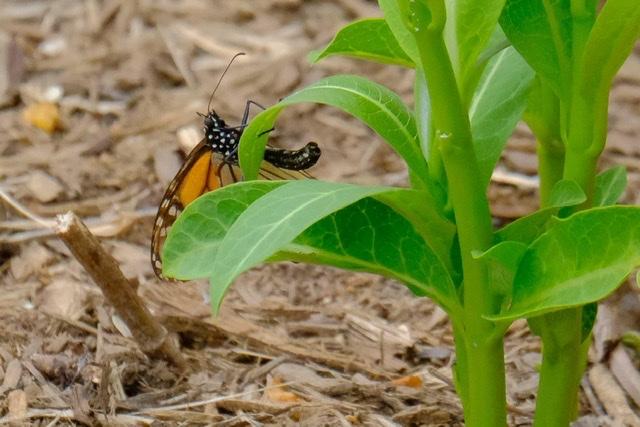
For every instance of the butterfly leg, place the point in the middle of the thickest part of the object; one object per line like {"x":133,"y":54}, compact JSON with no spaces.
{"x":231,"y":154}
{"x":229,"y":165}
{"x":245,"y":115}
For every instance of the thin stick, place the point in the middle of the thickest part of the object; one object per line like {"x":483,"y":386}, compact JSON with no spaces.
{"x":100,"y":226}
{"x":152,"y":337}
{"x":23,"y":210}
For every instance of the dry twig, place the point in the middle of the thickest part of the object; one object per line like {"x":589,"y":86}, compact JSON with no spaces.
{"x":152,"y":337}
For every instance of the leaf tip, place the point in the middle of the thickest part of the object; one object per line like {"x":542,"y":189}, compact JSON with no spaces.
{"x":315,"y":56}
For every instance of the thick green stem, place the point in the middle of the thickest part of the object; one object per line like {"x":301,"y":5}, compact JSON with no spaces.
{"x":561,"y":369}
{"x":564,"y":351}
{"x":484,"y":397}
{"x":563,"y":356}
{"x":550,"y":166}
{"x":581,"y":167}
{"x":486,"y":406}
{"x":461,"y":367}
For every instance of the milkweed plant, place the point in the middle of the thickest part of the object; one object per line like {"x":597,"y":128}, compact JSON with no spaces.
{"x":480,"y":67}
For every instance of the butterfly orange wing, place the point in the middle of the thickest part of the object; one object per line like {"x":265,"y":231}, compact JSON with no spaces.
{"x":202,"y":171}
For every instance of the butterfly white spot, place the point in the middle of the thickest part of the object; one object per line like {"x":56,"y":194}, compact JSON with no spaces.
{"x":305,"y":154}
{"x":158,"y":264}
{"x":210,"y":136}
{"x":163,"y":232}
{"x":214,"y":145}
{"x":165,"y":202}
{"x":173,"y":211}
{"x":159,"y":221}
{"x":223,"y":140}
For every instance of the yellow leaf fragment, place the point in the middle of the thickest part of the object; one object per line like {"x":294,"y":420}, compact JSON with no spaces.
{"x":43,"y":115}
{"x":413,"y":381}
{"x":281,"y":394}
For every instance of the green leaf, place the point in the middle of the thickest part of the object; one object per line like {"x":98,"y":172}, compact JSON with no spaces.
{"x":370,"y":39}
{"x":396,"y":23}
{"x":430,"y":150}
{"x":470,"y":25}
{"x":527,"y":228}
{"x":610,"y":186}
{"x":495,"y":45}
{"x":370,"y":236}
{"x":497,"y":106}
{"x":610,"y":42}
{"x":578,"y":261}
{"x":421,"y":210}
{"x":374,"y":104}
{"x":423,"y":114}
{"x":195,"y":237}
{"x":276,"y":219}
{"x":503,"y":260}
{"x":543,"y":115}
{"x":566,"y":193}
{"x":541,"y":31}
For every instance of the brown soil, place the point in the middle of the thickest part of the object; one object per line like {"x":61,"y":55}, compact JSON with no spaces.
{"x":294,"y":344}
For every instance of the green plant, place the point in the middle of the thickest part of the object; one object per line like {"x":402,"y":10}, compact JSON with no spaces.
{"x":551,"y":61}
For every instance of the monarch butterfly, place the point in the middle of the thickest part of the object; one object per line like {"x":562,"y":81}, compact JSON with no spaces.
{"x":213,"y":163}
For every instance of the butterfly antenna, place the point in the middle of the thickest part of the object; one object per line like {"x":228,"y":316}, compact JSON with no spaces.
{"x":220,"y":80}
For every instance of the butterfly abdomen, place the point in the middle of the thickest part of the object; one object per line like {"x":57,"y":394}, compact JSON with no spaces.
{"x":301,"y":159}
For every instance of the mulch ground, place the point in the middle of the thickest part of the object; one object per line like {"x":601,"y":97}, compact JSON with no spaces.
{"x":294,"y":344}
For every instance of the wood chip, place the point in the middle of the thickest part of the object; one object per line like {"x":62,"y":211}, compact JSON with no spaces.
{"x":166,"y":163}
{"x":17,"y":406}
{"x":32,"y":258}
{"x":188,"y":138}
{"x":12,"y":375}
{"x":612,"y":396}
{"x":133,"y":259}
{"x":44,"y":187}
{"x":626,"y":373}
{"x":299,"y":374}
{"x":63,"y":297}
{"x":236,"y":405}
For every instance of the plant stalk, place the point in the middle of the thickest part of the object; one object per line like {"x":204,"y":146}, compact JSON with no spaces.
{"x":484,"y":398}
{"x":564,"y":352}
{"x":550,"y":166}
{"x":560,"y":374}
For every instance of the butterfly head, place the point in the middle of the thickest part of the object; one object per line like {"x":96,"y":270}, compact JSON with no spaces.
{"x":213,"y":123}
{"x":220,"y":138}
